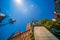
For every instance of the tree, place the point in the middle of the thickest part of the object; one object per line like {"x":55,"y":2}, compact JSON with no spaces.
{"x":43,"y":21}
{"x":32,"y":36}
{"x":34,"y":22}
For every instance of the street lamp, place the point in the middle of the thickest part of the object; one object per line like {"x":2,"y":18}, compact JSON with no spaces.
{"x":2,"y":17}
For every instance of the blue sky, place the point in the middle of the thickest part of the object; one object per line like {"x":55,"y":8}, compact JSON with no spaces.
{"x":24,"y":11}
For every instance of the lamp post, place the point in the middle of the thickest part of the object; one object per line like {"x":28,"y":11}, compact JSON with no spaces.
{"x":2,"y":17}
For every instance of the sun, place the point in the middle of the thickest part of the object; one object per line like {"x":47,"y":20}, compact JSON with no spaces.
{"x":19,"y":2}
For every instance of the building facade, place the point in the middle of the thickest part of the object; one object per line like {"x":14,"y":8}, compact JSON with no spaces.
{"x":57,"y":10}
{"x":56,"y":15}
{"x":22,"y":35}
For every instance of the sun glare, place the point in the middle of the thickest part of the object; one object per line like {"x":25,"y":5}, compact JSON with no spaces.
{"x":19,"y":2}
